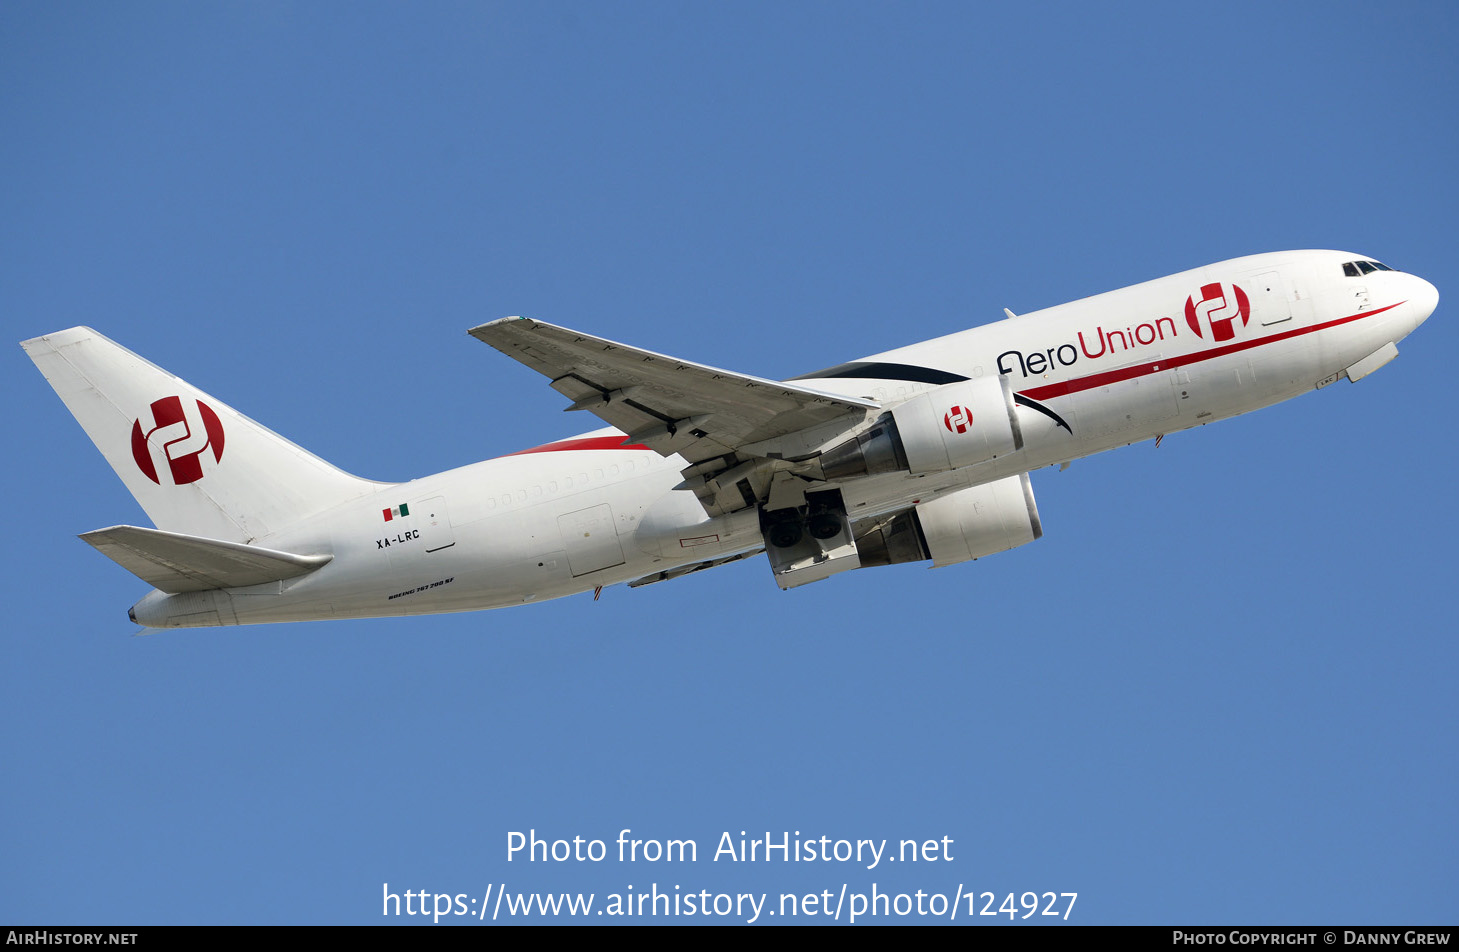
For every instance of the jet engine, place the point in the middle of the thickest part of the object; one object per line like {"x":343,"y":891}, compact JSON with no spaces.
{"x":964,"y":525}
{"x":967,"y":524}
{"x":955,"y":425}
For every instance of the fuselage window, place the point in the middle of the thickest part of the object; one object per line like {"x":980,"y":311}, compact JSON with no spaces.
{"x":1350,"y":269}
{"x":1366,"y":267}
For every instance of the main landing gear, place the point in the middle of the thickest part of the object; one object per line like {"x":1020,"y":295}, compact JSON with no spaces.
{"x":809,"y":542}
{"x":823,"y":516}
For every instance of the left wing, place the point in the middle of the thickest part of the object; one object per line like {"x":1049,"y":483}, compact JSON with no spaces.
{"x":676,"y":406}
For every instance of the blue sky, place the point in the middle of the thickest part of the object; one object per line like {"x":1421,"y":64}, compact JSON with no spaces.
{"x":1219,"y":689}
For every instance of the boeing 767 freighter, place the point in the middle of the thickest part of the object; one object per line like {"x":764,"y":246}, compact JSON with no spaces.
{"x":918,"y":454}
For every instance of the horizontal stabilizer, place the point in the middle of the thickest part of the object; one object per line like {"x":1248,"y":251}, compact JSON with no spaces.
{"x":174,"y":562}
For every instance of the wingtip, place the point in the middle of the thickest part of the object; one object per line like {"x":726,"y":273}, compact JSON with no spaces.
{"x":479,"y":329}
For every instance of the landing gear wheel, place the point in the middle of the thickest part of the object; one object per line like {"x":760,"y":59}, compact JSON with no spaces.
{"x":824,"y":525}
{"x":786,"y":531}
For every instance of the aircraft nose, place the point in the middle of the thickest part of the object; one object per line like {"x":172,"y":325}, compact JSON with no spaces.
{"x":1422,"y":300}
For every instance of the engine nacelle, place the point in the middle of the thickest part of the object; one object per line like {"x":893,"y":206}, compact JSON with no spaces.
{"x":967,"y":524}
{"x":953,"y":426}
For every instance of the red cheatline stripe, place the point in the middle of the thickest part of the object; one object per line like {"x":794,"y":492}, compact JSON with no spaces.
{"x":588,"y":443}
{"x":1169,"y":363}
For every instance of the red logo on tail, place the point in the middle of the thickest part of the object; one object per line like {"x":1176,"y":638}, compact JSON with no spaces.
{"x":1219,"y":307}
{"x":182,"y":430}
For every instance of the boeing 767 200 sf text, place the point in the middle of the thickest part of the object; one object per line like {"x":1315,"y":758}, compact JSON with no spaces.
{"x":921,"y":453}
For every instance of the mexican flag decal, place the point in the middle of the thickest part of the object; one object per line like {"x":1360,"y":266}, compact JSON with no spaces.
{"x":396,"y":513}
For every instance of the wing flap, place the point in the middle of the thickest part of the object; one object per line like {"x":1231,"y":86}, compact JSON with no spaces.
{"x":173,"y":562}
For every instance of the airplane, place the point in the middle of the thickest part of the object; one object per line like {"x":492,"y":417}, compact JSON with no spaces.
{"x":922,"y":453}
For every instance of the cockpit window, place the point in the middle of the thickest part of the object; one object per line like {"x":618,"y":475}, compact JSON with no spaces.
{"x":1355,"y":269}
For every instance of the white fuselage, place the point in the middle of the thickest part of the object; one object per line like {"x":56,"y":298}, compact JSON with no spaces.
{"x":572,"y":516}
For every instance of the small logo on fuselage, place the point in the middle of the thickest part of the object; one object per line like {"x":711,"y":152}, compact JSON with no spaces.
{"x":183,"y":430}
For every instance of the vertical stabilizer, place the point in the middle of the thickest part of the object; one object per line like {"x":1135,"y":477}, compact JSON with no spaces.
{"x":196,"y":465}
